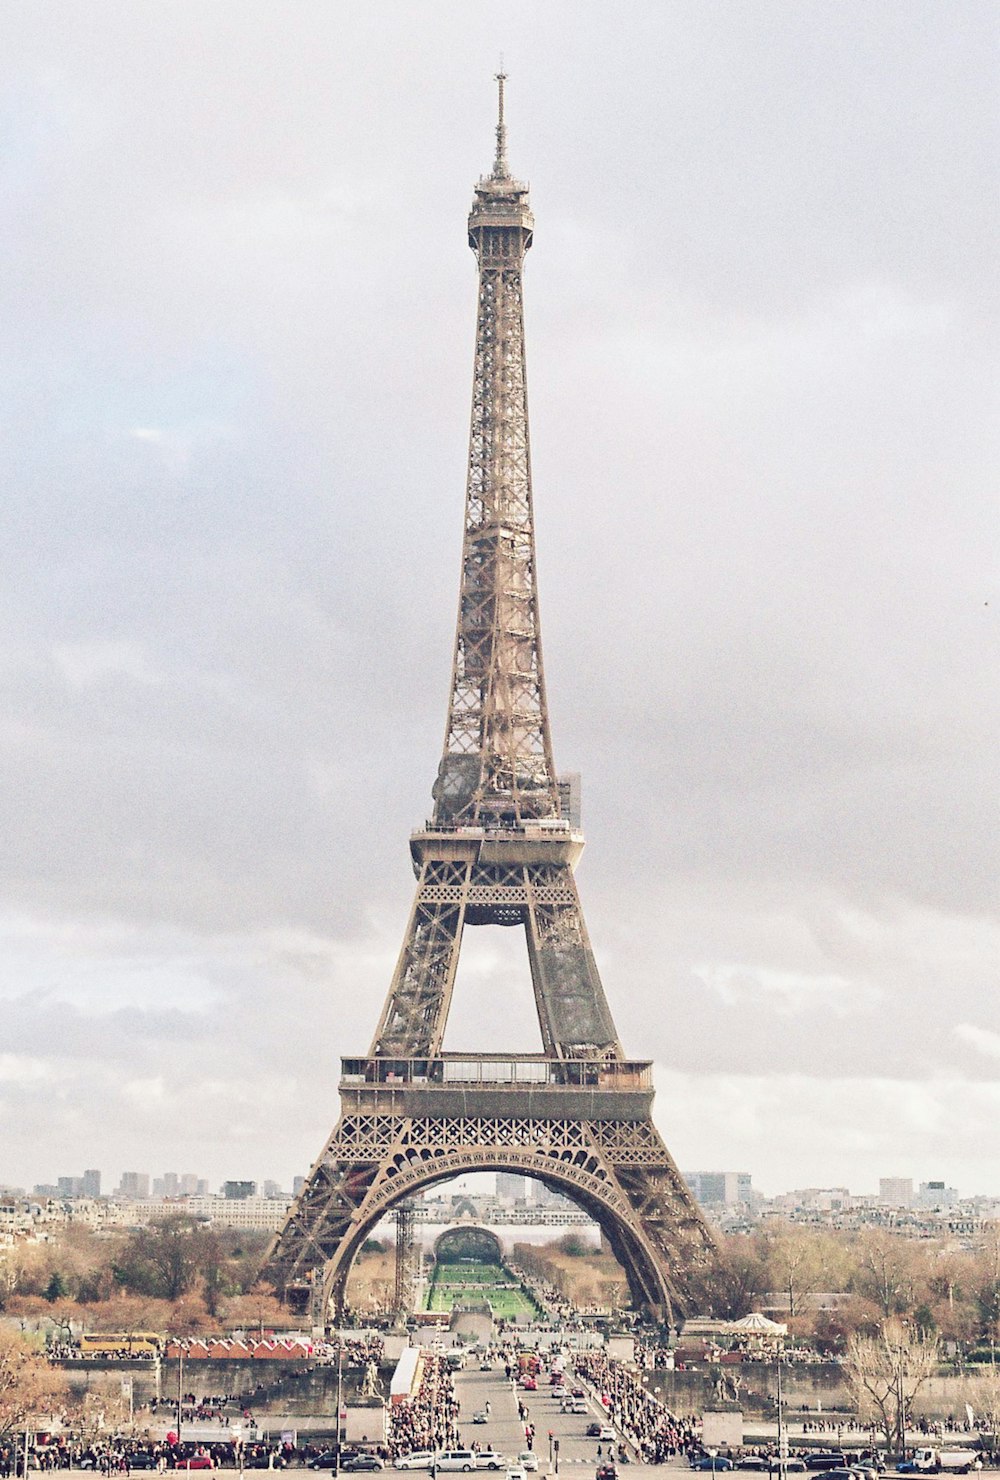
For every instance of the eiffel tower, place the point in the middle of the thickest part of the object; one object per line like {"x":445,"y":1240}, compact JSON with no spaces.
{"x":500,"y":849}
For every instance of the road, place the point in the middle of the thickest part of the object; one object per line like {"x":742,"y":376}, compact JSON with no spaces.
{"x":577,"y":1455}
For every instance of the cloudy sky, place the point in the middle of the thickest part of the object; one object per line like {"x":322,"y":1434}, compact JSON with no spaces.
{"x":236,"y":323}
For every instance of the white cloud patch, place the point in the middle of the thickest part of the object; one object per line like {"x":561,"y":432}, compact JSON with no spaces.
{"x":983,"y":1040}
{"x":789,"y":1129}
{"x":22,"y":1069}
{"x":86,"y":663}
{"x":789,"y":992}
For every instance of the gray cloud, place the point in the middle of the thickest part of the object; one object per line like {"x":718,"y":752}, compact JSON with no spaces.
{"x":236,"y":320}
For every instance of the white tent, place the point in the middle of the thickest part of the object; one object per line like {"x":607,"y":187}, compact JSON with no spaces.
{"x":760,"y":1325}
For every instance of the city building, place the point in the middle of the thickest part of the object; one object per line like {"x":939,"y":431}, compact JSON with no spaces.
{"x":720,"y":1189}
{"x":239,"y":1191}
{"x":511,"y":1187}
{"x":895,"y":1192}
{"x":133,"y":1185}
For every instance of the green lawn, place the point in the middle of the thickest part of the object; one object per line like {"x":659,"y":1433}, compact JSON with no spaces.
{"x":466,"y":1281}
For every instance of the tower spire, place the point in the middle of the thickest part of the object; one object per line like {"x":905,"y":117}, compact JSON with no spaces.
{"x":501,"y":170}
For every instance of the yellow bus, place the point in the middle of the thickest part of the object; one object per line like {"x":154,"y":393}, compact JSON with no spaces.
{"x":121,"y":1343}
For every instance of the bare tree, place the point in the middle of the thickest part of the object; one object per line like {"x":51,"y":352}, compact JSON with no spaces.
{"x":983,"y":1397}
{"x":884,"y":1374}
{"x":28,"y":1384}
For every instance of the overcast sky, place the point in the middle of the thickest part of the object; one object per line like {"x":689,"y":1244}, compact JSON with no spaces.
{"x":236,"y":329}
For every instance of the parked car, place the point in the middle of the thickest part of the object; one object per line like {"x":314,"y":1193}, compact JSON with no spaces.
{"x":417,"y":1459}
{"x":196,"y":1462}
{"x":826,"y":1459}
{"x":714,"y":1462}
{"x":142,"y":1461}
{"x":355,"y":1463}
{"x":752,"y":1462}
{"x":457,"y":1459}
{"x":324,"y":1461}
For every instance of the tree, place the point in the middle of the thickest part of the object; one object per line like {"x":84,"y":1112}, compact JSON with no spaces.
{"x":889,"y":1271}
{"x":29,"y":1386}
{"x":56,"y":1289}
{"x":740,"y":1277}
{"x":885,"y":1372}
{"x":794,"y":1264}
{"x":984,"y":1400}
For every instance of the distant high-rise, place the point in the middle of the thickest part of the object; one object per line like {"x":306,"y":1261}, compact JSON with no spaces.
{"x":511,"y":1188}
{"x":936,"y":1195}
{"x":273,"y":1189}
{"x":297,"y":1185}
{"x":92,"y":1183}
{"x":189,"y":1185}
{"x":171,"y":1184}
{"x":895,"y":1192}
{"x":70,"y":1186}
{"x":134,"y":1185}
{"x":721,"y":1189}
{"x":235,"y":1190}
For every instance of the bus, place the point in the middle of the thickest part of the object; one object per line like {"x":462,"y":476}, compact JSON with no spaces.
{"x":121,"y":1343}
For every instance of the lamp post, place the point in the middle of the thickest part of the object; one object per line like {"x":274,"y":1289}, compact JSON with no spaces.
{"x":782,"y":1436}
{"x":340,"y":1399}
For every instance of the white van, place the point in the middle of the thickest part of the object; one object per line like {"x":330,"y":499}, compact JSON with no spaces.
{"x":457,"y":1459}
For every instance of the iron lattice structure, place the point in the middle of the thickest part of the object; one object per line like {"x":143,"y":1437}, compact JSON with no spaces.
{"x":498,"y":851}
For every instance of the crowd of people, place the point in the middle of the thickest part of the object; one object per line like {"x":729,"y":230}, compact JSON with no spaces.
{"x":430,"y":1419}
{"x":652,"y":1430}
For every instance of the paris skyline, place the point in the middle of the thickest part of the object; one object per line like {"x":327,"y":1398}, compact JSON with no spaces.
{"x":239,"y":321}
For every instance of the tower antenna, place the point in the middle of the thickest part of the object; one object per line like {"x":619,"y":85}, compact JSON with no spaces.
{"x":500,"y":167}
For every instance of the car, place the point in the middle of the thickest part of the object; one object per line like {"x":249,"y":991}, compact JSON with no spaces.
{"x":826,"y":1459}
{"x":607,"y":1432}
{"x":528,"y":1459}
{"x":714,"y":1462}
{"x":490,"y":1459}
{"x":417,"y":1459}
{"x":355,"y":1463}
{"x":480,"y":1416}
{"x":577,"y":1405}
{"x":516,"y":1472}
{"x":607,"y":1472}
{"x":752,"y":1462}
{"x":142,"y":1461}
{"x":266,"y":1462}
{"x":457,"y":1459}
{"x":485,"y":1366}
{"x":325,"y":1461}
{"x":529,"y":1384}
{"x":559,"y":1391}
{"x":578,"y":1392}
{"x":593,"y":1431}
{"x":196,"y":1462}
